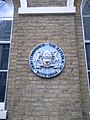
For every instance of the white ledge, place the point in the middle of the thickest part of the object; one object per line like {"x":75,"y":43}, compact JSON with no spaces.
{"x":46,"y":10}
{"x":3,"y":114}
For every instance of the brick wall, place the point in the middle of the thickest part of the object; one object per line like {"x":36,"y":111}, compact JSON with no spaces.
{"x":43,"y":3}
{"x":33,"y":98}
{"x":81,"y":60}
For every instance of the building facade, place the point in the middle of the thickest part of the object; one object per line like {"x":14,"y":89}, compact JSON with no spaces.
{"x":27,"y":23}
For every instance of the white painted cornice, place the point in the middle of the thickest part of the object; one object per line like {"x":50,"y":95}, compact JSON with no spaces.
{"x":70,"y":3}
{"x":70,"y":8}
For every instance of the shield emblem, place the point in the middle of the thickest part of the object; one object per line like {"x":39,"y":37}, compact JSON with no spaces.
{"x":46,"y":58}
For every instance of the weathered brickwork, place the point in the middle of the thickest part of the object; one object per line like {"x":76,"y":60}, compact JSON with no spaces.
{"x":81,"y":59}
{"x":64,"y":97}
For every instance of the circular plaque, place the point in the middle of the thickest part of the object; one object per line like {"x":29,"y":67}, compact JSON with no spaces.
{"x":47,"y":60}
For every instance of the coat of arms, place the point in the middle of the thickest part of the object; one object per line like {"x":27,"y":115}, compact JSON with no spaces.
{"x":47,"y":60}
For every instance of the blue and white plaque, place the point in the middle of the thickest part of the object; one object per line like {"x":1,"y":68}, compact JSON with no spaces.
{"x":47,"y":60}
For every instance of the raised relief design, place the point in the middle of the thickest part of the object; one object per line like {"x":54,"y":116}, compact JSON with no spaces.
{"x":47,"y":60}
